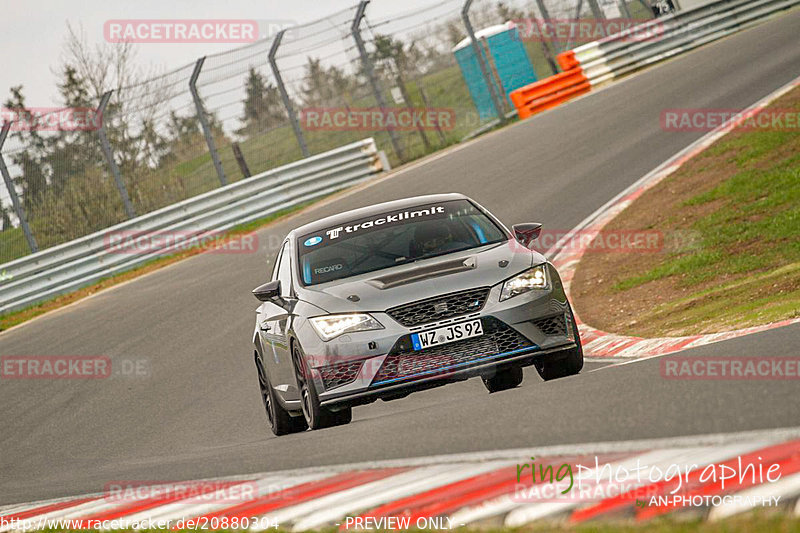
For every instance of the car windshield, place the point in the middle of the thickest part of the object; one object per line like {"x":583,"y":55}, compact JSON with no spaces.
{"x":394,"y":238}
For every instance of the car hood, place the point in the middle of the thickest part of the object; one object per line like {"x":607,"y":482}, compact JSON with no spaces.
{"x":378,"y":291}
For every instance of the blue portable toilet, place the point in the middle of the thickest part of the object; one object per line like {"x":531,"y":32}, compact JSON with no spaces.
{"x":508,"y":61}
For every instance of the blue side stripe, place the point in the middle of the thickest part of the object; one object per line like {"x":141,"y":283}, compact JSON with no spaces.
{"x":306,"y":271}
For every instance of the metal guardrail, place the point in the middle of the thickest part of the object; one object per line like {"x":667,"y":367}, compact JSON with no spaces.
{"x":69,"y":266}
{"x":659,"y":39}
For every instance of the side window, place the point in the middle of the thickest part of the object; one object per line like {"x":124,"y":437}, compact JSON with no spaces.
{"x":277,"y":263}
{"x":285,"y":271}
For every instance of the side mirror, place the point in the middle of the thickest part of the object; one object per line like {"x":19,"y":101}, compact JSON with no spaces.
{"x":268,"y":292}
{"x":527,"y":233}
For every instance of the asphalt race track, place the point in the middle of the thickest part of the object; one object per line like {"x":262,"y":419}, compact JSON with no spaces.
{"x":198,"y":413}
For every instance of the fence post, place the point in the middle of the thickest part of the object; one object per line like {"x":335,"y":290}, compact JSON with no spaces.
{"x":548,"y":53}
{"x":201,"y":114}
{"x":12,"y":192}
{"x":623,"y":6}
{"x":101,"y":132}
{"x":365,"y":60}
{"x":598,"y":15}
{"x":284,"y":95}
{"x":576,"y":18}
{"x":498,"y":108}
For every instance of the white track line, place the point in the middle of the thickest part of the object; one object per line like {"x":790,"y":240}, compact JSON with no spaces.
{"x":425,"y":467}
{"x":393,"y":492}
{"x":298,"y":512}
{"x":189,"y":509}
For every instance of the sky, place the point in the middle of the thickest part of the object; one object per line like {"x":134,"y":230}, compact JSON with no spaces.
{"x":32,"y":32}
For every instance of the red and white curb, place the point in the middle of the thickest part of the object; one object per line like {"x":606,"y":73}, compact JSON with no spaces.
{"x":447,"y":492}
{"x":601,"y":344}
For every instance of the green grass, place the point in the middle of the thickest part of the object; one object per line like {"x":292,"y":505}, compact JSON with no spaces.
{"x":12,"y":245}
{"x":756,"y":225}
{"x":742,"y":266}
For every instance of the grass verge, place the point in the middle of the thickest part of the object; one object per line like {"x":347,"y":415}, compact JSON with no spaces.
{"x":730,"y":219}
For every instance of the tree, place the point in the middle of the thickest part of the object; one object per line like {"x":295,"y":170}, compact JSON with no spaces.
{"x":507,"y":13}
{"x":31,"y":161}
{"x":391,"y":52}
{"x":455,"y":32}
{"x":70,"y":153}
{"x":6,"y":219}
{"x":324,"y":86}
{"x":263,"y":107}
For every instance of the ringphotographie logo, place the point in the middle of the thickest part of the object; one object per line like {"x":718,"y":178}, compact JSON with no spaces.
{"x":377,"y":119}
{"x":578,"y":30}
{"x":144,"y":242}
{"x":80,"y":367}
{"x":52,"y":118}
{"x":707,"y":119}
{"x":181,"y":30}
{"x":656,"y":483}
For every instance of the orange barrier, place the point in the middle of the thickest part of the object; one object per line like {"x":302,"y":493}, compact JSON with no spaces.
{"x":567,"y":61}
{"x":553,"y":91}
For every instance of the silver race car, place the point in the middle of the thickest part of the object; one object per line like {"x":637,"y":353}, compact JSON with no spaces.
{"x":398,"y":297}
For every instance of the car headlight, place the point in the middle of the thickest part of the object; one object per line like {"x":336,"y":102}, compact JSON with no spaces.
{"x":331,"y":326}
{"x":534,"y":278}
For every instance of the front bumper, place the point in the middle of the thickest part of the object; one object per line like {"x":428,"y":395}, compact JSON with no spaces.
{"x":367,"y":365}
{"x":487,"y":367}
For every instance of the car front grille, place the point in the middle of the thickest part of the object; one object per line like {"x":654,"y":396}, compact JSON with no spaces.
{"x":403,"y":361}
{"x":440,"y":307}
{"x":554,"y":325}
{"x":339,"y":374}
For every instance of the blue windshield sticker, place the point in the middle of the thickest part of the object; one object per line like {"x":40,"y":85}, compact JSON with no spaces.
{"x":479,"y":232}
{"x":313,"y":241}
{"x":306,"y":271}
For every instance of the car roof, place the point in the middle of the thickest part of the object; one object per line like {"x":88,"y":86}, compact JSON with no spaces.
{"x":375,"y":209}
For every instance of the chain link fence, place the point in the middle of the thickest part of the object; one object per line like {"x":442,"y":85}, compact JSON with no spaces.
{"x":304,"y":90}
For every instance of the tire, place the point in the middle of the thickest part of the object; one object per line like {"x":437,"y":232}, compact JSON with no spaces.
{"x":569,"y":366}
{"x":315,"y":415}
{"x":504,"y":379}
{"x":280,"y":421}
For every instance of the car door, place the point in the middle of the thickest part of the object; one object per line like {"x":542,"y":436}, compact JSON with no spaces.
{"x":272,"y":320}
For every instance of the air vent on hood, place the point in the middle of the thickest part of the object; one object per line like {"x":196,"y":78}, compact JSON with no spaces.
{"x":428,"y":271}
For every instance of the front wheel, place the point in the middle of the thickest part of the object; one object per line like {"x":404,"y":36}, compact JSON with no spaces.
{"x":316,"y":416}
{"x":504,"y":379}
{"x":280,"y":421}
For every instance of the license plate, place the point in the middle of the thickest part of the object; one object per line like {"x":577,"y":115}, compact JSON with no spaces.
{"x":446,"y":334}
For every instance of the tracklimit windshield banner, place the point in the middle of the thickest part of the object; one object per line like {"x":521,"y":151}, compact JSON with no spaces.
{"x":366,"y":225}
